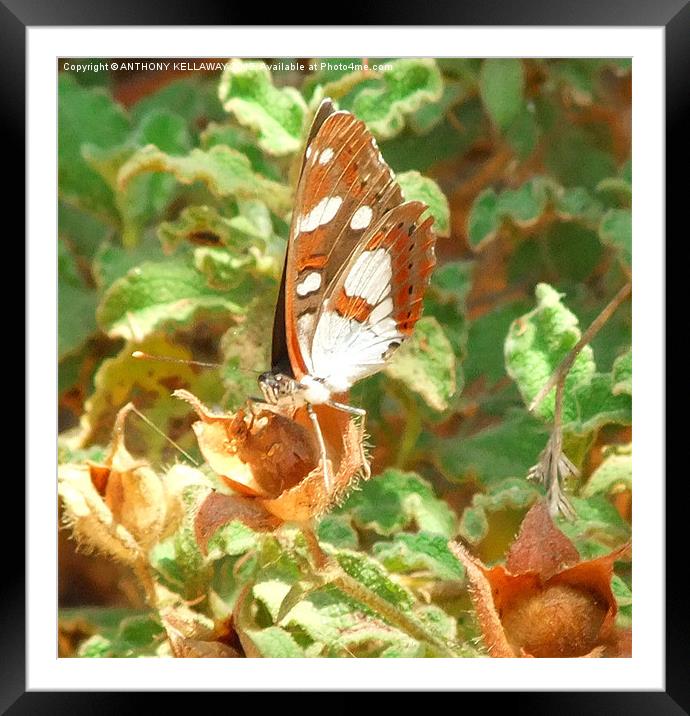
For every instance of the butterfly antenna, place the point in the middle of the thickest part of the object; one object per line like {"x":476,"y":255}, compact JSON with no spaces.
{"x":169,"y":359}
{"x":156,"y":429}
{"x":140,"y":355}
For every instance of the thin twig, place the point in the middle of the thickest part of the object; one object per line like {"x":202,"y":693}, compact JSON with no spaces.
{"x":594,"y":328}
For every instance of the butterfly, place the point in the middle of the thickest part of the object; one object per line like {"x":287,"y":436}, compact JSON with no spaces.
{"x":358,"y":261}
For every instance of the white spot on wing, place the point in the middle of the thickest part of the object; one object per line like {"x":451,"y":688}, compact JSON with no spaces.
{"x":321,"y":214}
{"x":361,"y":218}
{"x":326,"y":156}
{"x":307,"y":154}
{"x":370,"y":277}
{"x":311,"y":283}
{"x":383,"y":310}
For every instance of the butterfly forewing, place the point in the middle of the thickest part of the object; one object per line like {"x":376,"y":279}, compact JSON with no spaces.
{"x":345,"y":188}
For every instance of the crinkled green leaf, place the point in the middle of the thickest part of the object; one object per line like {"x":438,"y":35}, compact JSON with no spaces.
{"x":86,"y":116}
{"x":445,"y":300}
{"x":179,"y":560}
{"x":338,"y":531}
{"x":340,"y":627}
{"x":502,"y":85}
{"x":246,"y":90}
{"x":416,"y":187}
{"x":426,"y":364}
{"x":407,"y":86}
{"x":535,"y":346}
{"x":597,"y":528}
{"x":474,"y":525}
{"x":274,"y":642}
{"x":616,"y":230}
{"x":113,"y":261}
{"x":578,"y":203}
{"x":510,"y":494}
{"x":233,"y":538}
{"x":420,"y":551}
{"x":397,"y":500}
{"x":243,"y":141}
{"x":597,"y":405}
{"x":122,"y":378}
{"x":225,"y":171}
{"x":621,"y":374}
{"x":432,"y":114}
{"x":155,"y":294}
{"x":613,"y":475}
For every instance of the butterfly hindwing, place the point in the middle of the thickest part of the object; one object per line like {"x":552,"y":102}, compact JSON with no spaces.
{"x":375,"y":301}
{"x":345,"y":188}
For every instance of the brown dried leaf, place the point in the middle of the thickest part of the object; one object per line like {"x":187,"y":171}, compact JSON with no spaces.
{"x":540,"y":546}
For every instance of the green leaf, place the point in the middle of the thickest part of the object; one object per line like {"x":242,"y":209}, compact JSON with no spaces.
{"x":504,"y":450}
{"x":371,"y":574}
{"x":425,"y":364}
{"x":421,"y":551}
{"x":597,"y":405}
{"x":76,"y":305}
{"x":193,"y":99}
{"x":621,"y":374}
{"x":340,"y":626}
{"x":338,"y":531}
{"x":415,"y":187}
{"x":525,"y":205}
{"x":616,"y":230}
{"x":502,"y":85}
{"x":485,"y":342}
{"x":275,"y":643}
{"x":233,"y":538}
{"x":578,"y":203}
{"x":407,"y":86}
{"x":510,"y":494}
{"x":445,"y":300}
{"x":225,"y":171}
{"x":396,"y":500}
{"x":156,"y":294}
{"x":113,"y":261}
{"x":431,"y":115}
{"x":597,"y":527}
{"x":86,"y":116}
{"x":484,"y":219}
{"x":277,"y":115}
{"x":613,"y":475}
{"x":535,"y":346}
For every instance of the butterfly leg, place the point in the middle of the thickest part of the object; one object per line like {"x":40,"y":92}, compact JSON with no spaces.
{"x":361,"y":413}
{"x":322,"y":447}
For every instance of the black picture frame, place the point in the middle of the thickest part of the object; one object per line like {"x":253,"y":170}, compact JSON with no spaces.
{"x":673,"y":15}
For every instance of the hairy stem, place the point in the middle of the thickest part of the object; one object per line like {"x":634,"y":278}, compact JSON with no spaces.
{"x":338,"y":577}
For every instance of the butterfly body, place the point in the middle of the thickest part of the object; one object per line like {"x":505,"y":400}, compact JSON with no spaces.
{"x":358,"y":262}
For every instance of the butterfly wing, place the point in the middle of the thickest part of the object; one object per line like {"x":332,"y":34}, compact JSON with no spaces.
{"x":345,"y":188}
{"x":372,"y":305}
